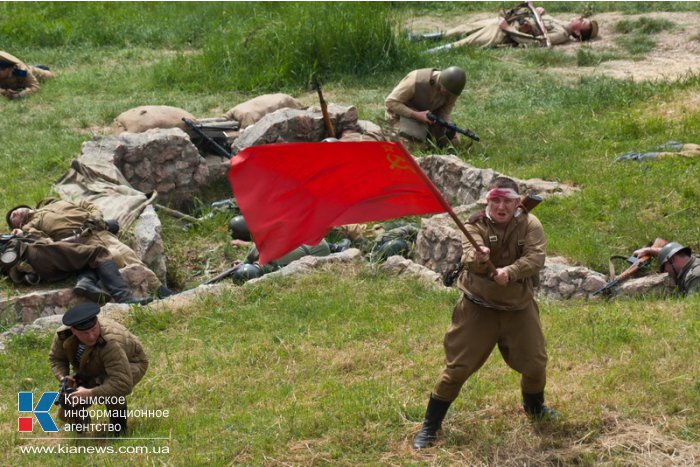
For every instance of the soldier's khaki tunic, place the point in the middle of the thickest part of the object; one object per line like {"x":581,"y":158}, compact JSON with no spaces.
{"x":489,"y":315}
{"x":488,"y":33}
{"x":112,"y":367}
{"x":61,"y":219}
{"x":21,"y":77}
{"x":418,"y":91}
{"x":688,"y":281}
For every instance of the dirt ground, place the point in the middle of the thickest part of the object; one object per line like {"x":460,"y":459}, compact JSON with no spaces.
{"x":677,"y":52}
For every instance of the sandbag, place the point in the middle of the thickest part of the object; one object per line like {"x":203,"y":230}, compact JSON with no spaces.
{"x":253,"y":110}
{"x":146,"y":117}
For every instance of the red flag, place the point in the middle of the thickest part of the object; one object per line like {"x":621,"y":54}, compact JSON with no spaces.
{"x":292,"y":194}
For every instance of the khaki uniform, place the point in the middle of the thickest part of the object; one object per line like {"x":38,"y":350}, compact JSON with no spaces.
{"x":21,"y":77}
{"x":488,"y":33}
{"x":419,"y":91}
{"x":688,"y":281}
{"x":489,"y":314}
{"x":51,"y":261}
{"x":61,"y":219}
{"x":112,"y":367}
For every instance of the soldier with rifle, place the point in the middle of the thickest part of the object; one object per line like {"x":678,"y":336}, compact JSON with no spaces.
{"x":678,"y":262}
{"x":639,"y":261}
{"x":523,"y":25}
{"x":422,"y":93}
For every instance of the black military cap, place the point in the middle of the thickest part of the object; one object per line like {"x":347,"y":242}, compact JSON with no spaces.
{"x":82,"y":317}
{"x":9,"y":213}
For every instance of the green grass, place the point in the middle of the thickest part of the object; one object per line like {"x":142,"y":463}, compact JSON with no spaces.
{"x":336,"y":367}
{"x":340,"y":373}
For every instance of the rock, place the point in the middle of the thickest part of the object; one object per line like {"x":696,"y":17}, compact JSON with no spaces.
{"x":162,"y":160}
{"x":400,"y":266}
{"x":296,"y":125}
{"x":147,"y":242}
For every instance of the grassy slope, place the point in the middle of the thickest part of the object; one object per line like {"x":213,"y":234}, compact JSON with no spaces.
{"x":339,"y":369}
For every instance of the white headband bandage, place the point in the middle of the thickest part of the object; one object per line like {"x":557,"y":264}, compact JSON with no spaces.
{"x":507,"y":193}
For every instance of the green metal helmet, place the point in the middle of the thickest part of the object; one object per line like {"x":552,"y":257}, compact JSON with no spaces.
{"x":239,"y":229}
{"x":453,"y":79}
{"x":245,"y":272}
{"x":669,"y":250}
{"x":397,"y":246}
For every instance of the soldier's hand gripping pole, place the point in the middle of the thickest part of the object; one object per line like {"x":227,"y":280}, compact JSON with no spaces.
{"x":441,"y":199}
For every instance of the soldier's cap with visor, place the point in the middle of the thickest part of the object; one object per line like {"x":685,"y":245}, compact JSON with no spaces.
{"x":9,"y":213}
{"x":82,"y":317}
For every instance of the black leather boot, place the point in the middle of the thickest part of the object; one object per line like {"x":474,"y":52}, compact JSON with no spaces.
{"x":117,"y":286}
{"x":117,"y":418}
{"x":87,"y":287}
{"x":434,"y":415}
{"x":533,"y":404}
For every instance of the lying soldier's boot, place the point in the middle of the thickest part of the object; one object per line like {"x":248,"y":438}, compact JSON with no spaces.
{"x":164,"y":292}
{"x":439,"y":48}
{"x":534,"y":407}
{"x":117,"y":286}
{"x":87,"y":287}
{"x":434,"y":415}
{"x":342,"y":245}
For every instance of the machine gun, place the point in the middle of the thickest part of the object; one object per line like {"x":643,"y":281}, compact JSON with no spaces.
{"x":199,"y":130}
{"x":638,"y":264}
{"x":451,"y":126}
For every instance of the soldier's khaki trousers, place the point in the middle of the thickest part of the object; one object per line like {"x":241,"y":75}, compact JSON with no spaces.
{"x":474,"y":333}
{"x":121,"y":254}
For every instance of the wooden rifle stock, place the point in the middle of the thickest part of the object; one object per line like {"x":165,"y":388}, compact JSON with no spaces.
{"x":540,"y":23}
{"x":324,"y":110}
{"x":641,"y":262}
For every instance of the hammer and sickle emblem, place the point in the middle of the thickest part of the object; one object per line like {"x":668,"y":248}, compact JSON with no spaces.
{"x":397,"y":160}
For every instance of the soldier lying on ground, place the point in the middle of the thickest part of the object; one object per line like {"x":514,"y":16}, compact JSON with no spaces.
{"x":679,"y":262}
{"x":17,"y":79}
{"x":80,"y":222}
{"x":670,"y":149}
{"x":31,"y":261}
{"x":109,"y":360}
{"x":516,"y":27}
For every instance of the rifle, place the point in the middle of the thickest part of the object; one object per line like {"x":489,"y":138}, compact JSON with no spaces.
{"x":223,"y":275}
{"x":324,"y":110}
{"x":637,"y":265}
{"x":198,"y":129}
{"x":451,"y":126}
{"x":540,"y":24}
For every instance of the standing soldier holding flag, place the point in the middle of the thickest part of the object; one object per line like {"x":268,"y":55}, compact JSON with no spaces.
{"x":497,"y":307}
